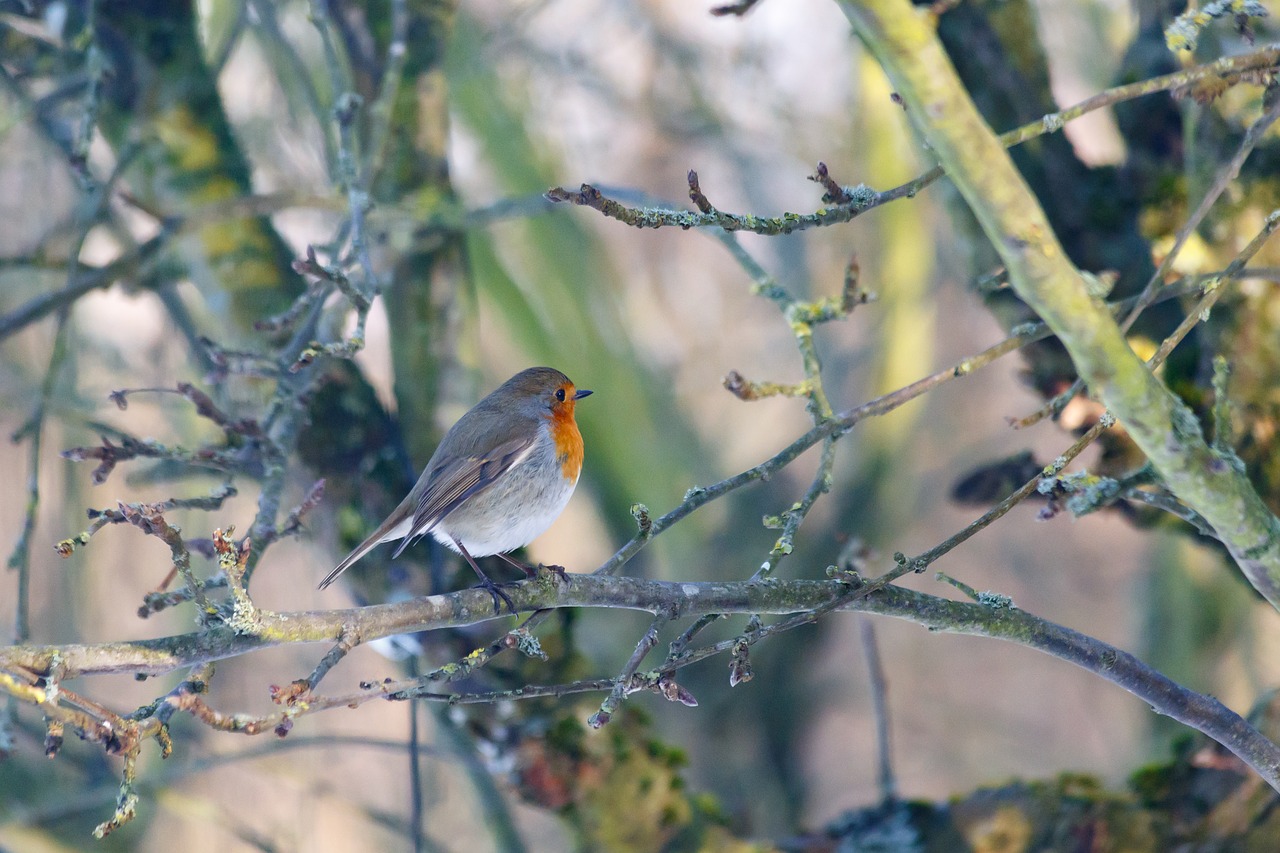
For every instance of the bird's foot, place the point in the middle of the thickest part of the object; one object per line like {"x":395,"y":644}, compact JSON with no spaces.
{"x":531,"y":572}
{"x":558,"y":572}
{"x":499,"y":595}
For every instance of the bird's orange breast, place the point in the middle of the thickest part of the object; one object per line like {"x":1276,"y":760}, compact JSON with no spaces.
{"x":564,"y":432}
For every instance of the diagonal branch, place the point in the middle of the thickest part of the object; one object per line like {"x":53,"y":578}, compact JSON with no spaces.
{"x":903,"y":40}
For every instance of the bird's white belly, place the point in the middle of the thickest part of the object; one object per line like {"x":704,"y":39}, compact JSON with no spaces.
{"x":509,"y":514}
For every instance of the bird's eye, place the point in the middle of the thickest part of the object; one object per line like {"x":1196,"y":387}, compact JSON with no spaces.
{"x":560,"y":394}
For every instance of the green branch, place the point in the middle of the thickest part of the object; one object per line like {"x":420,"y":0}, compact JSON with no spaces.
{"x":903,"y":39}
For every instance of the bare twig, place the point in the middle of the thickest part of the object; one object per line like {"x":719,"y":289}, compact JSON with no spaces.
{"x":922,"y":562}
{"x":880,"y":706}
{"x":204,"y":405}
{"x":149,"y":519}
{"x":618,"y":694}
{"x":1213,"y":289}
{"x":380,"y":111}
{"x":1228,"y":173}
{"x":33,"y":430}
{"x":417,"y":812}
{"x":300,"y":690}
{"x":346,"y":108}
{"x":680,"y":644}
{"x":863,"y":198}
{"x":110,"y":454}
{"x":85,"y":281}
{"x":100,"y":518}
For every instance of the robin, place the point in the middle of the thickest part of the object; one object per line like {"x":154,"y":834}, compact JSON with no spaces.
{"x":500,"y":476}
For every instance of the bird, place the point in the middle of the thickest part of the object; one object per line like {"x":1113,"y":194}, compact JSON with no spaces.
{"x":499,"y":477}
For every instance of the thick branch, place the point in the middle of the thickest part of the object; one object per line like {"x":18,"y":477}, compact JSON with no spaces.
{"x":158,"y":656}
{"x":903,"y":39}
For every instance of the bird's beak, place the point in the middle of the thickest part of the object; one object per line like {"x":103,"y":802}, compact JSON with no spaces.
{"x":580,"y":393}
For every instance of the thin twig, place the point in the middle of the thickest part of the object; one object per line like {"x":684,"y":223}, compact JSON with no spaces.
{"x":380,"y":112}
{"x":922,"y":562}
{"x":1213,"y":289}
{"x":33,"y":431}
{"x":417,"y":813}
{"x":514,"y":639}
{"x":864,"y":198}
{"x":1162,"y":500}
{"x":301,"y":689}
{"x":20,"y":557}
{"x":880,"y":706}
{"x":680,"y":644}
{"x":618,"y":694}
{"x":346,"y":109}
{"x":280,"y":48}
{"x":1225,"y":175}
{"x":1228,"y":173}
{"x":85,"y":281}
{"x":95,"y":64}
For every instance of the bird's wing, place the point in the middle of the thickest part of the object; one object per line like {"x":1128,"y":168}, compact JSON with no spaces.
{"x":447,"y":486}
{"x":453,"y":482}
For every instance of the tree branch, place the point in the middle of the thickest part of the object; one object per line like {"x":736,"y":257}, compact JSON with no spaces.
{"x":27,"y":665}
{"x":903,"y":39}
{"x":853,"y":201}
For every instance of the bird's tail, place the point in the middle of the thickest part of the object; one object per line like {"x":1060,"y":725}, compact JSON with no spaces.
{"x":363,"y":548}
{"x":398,"y":525}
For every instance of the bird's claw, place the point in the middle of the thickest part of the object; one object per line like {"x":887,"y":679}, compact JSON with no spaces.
{"x":558,"y":572}
{"x":500,"y":597}
{"x":531,"y":572}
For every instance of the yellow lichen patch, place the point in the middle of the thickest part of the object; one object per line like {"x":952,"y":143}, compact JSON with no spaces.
{"x":1007,"y":830}
{"x":225,"y":237}
{"x":1194,"y":258}
{"x":25,"y":692}
{"x":1143,"y":346}
{"x":241,"y":274}
{"x":191,"y":144}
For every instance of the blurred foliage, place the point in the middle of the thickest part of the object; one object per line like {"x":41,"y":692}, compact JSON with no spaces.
{"x":623,"y":791}
{"x":1195,"y":799}
{"x":206,"y":104}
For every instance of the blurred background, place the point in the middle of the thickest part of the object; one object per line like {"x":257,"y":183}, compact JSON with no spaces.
{"x":191,"y":110}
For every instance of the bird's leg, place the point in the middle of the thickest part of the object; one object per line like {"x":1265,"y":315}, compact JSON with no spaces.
{"x":499,"y":597}
{"x":532,"y":571}
{"x":529,"y":571}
